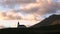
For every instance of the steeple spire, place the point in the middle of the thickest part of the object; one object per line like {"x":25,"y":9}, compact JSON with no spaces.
{"x":18,"y":23}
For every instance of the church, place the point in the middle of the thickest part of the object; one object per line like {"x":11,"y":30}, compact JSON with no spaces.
{"x":20,"y":26}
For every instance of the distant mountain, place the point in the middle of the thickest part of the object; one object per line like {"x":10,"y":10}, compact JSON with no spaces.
{"x":51,"y":20}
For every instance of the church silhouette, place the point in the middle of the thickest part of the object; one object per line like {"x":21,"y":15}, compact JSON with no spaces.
{"x":20,"y":26}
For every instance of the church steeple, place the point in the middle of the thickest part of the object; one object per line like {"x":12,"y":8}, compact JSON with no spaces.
{"x":18,"y":23}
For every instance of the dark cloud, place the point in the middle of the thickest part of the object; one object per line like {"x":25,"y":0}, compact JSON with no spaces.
{"x":32,"y":10}
{"x":12,"y":3}
{"x":21,"y":1}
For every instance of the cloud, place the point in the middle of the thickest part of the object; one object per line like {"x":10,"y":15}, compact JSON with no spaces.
{"x":33,"y":8}
{"x":12,"y":3}
{"x":31,"y":5}
{"x":18,"y":16}
{"x":39,"y":7}
{"x":11,"y":15}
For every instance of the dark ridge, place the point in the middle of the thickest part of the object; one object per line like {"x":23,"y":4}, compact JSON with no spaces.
{"x":42,"y":30}
{"x":52,"y":20}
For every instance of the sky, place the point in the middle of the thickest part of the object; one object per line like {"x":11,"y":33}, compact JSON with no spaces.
{"x":36,"y":10}
{"x":26,"y":8}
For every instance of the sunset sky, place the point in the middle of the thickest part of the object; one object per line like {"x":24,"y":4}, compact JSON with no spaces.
{"x":35,"y":10}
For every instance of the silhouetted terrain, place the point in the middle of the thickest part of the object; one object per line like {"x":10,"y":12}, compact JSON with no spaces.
{"x":48,"y":25}
{"x":52,"y":20}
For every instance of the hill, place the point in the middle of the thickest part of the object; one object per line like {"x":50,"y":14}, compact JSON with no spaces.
{"x":51,"y":20}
